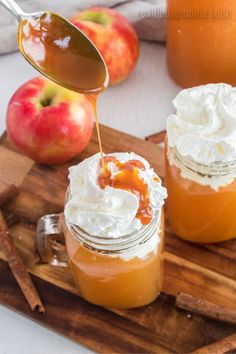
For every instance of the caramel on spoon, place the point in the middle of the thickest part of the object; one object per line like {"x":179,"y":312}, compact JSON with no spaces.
{"x":59,"y":50}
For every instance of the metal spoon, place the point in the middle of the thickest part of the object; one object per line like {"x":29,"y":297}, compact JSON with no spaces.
{"x":59,"y":50}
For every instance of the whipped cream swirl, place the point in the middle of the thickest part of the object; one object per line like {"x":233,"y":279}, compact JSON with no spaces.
{"x":108,"y":212}
{"x":204,"y":126}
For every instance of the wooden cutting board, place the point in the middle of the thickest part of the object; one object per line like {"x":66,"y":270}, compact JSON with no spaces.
{"x":207,"y":272}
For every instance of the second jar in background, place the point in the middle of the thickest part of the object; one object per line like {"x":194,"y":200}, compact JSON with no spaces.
{"x":201,"y":164}
{"x":201,"y":46}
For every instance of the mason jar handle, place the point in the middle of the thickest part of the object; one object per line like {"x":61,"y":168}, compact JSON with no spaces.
{"x":50,"y":240}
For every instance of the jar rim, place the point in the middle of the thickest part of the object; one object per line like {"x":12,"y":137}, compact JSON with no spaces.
{"x":214,"y":169}
{"x":114,"y":244}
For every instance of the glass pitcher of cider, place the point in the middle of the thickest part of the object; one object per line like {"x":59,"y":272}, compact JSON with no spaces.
{"x":201,"y":46}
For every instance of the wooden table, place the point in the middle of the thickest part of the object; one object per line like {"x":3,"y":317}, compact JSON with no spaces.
{"x":205,"y":272}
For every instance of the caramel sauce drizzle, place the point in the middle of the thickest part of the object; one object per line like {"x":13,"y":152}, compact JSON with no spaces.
{"x":156,"y":179}
{"x":61,"y":52}
{"x":43,"y":40}
{"x":128,"y":179}
{"x":93,"y":100}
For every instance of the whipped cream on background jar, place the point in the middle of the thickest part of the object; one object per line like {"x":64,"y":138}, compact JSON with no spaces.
{"x":116,"y":260}
{"x":200,"y":157}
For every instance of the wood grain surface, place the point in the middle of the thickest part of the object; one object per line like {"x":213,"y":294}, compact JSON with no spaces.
{"x":206,"y":272}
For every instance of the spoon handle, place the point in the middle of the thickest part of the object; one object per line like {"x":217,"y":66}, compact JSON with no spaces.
{"x":13,"y":8}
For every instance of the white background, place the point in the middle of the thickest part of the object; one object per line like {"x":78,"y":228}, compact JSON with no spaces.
{"x":138,"y":106}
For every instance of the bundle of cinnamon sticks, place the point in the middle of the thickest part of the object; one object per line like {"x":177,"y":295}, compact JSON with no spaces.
{"x":12,"y":256}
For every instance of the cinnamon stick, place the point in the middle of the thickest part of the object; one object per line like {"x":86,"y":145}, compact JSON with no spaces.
{"x":157,"y":138}
{"x":11,"y":219}
{"x":7,"y":194}
{"x":222,"y":346}
{"x":205,"y":308}
{"x":18,"y":269}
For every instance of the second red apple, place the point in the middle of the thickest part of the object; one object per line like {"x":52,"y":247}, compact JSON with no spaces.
{"x":114,"y":37}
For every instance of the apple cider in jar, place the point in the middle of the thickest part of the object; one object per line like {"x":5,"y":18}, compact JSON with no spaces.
{"x":201,"y":164}
{"x":201,"y":46}
{"x":114,"y":230}
{"x":113,"y":227}
{"x":122,"y":274}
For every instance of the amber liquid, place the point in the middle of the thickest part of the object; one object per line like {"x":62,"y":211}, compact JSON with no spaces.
{"x":119,"y":282}
{"x":115,"y":282}
{"x":93,"y":100}
{"x":128,"y":179}
{"x":63,"y":53}
{"x":198,"y":213}
{"x":201,"y":48}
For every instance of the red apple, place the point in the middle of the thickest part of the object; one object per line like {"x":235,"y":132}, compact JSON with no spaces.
{"x":49,"y":123}
{"x":114,"y":37}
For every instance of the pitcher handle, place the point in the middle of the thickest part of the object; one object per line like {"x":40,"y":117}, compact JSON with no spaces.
{"x":50,"y":240}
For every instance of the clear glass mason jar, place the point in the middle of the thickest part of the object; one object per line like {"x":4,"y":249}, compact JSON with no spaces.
{"x":201,"y":46}
{"x":122,"y":272}
{"x":198,"y":212}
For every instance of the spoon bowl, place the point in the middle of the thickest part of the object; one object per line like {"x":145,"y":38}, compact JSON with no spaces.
{"x":59,"y":50}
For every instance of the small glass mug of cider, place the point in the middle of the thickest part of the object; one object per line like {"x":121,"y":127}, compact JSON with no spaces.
{"x":200,"y":160}
{"x":116,"y":272}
